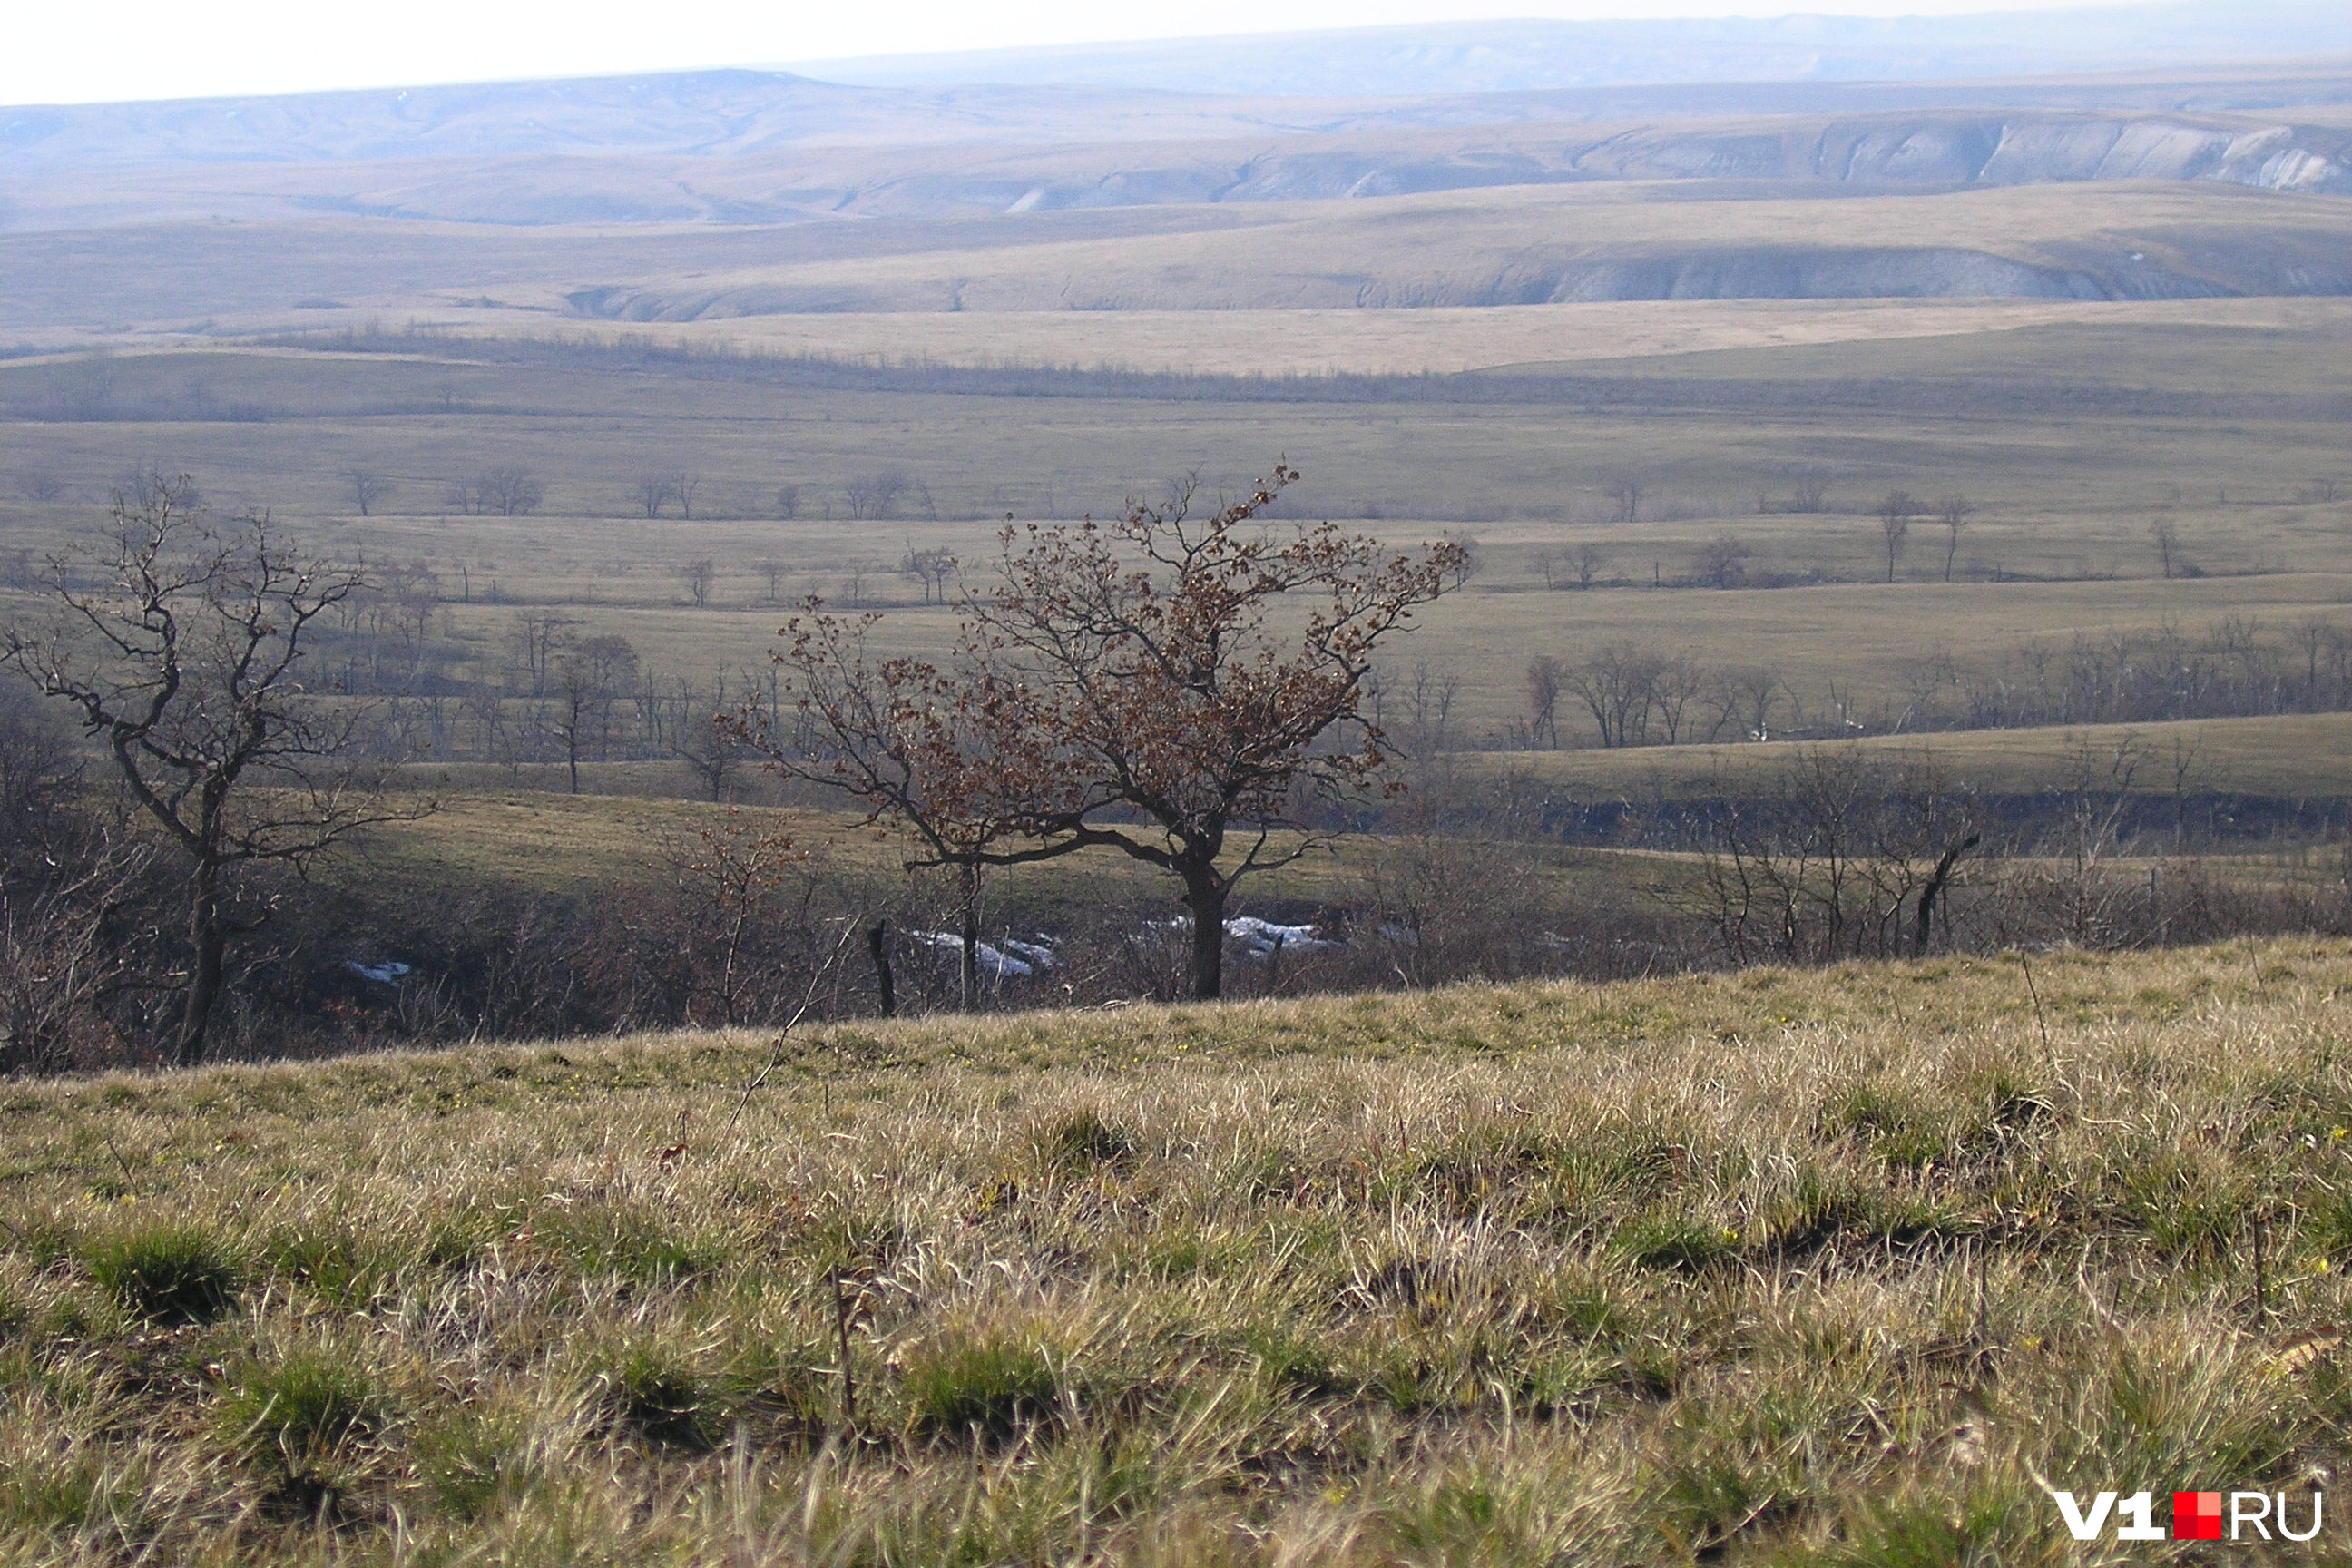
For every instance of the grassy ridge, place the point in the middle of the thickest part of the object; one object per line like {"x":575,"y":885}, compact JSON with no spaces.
{"x":2295,"y":754}
{"x":1764,"y":1268}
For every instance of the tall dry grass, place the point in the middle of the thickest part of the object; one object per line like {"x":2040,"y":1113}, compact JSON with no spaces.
{"x":1767,"y":1268}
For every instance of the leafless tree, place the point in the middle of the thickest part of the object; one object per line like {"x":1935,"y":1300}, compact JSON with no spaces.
{"x":683,"y":485}
{"x":931,"y":568}
{"x":788,"y":502}
{"x":509,"y":491}
{"x":1429,"y":698}
{"x":2165,"y":535}
{"x":187,"y":660}
{"x":696,"y":576}
{"x":771,"y":573}
{"x":536,"y":637}
{"x":1833,"y":855}
{"x":589,"y":677}
{"x":873,"y":495}
{"x":40,"y":485}
{"x":1809,"y":495}
{"x":1721,"y":561}
{"x":1744,"y":699}
{"x":1586,"y":562}
{"x":732,"y":895}
{"x":66,"y":877}
{"x":1625,"y":494}
{"x":652,"y":493}
{"x":1894,"y":515}
{"x":1953,"y":512}
{"x":714,"y":749}
{"x":367,"y":488}
{"x":853,"y":578}
{"x":144,"y":485}
{"x":1544,"y":674}
{"x":1617,"y":686}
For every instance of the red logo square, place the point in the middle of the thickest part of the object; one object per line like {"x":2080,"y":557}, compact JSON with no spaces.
{"x":2197,"y":1516}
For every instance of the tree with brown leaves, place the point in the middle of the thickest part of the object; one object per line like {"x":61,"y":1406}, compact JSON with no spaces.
{"x":1166,"y":685}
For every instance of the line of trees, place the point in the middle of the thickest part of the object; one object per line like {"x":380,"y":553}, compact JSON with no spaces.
{"x":1629,"y":693}
{"x":1639,"y":695}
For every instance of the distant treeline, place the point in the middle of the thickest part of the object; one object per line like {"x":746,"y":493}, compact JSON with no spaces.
{"x":2022,"y":395}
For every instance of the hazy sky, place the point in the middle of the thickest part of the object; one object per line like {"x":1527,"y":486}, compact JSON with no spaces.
{"x":64,"y":51}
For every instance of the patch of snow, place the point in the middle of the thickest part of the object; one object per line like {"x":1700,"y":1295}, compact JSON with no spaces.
{"x":1265,"y":938}
{"x":387,"y":973}
{"x":1039,"y":953}
{"x":989,"y":959}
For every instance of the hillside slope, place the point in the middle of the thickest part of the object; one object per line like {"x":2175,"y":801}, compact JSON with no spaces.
{"x":1528,"y":53}
{"x":1832,"y":1266}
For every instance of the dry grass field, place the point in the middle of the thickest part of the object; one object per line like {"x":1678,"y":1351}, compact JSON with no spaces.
{"x":1439,"y":338}
{"x":2289,"y":756}
{"x":2048,"y":428}
{"x":1842,"y":1266}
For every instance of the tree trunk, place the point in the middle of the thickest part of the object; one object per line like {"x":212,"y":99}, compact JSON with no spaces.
{"x":1925,"y":927}
{"x":1204,"y":895}
{"x":877,"y":942}
{"x":970,"y":934}
{"x":206,"y":936}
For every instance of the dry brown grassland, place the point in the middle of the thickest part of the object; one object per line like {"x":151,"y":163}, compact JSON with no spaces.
{"x":1767,"y":1267}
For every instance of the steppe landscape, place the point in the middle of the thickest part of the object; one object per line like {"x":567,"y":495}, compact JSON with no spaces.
{"x":1835,"y":1032}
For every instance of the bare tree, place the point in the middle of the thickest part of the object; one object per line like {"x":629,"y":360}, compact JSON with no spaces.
{"x":931,"y":568}
{"x":588,"y":677}
{"x":684,"y":484}
{"x":696,"y":576}
{"x":536,"y":637}
{"x":1953,"y":512}
{"x":652,"y":493}
{"x":853,"y":578}
{"x":1544,"y":674}
{"x":2165,"y":535}
{"x":40,"y":485}
{"x":1745,"y":698}
{"x":1625,"y":494}
{"x":709,"y":743}
{"x":509,"y":492}
{"x":1586,"y":562}
{"x":771,"y":573}
{"x":367,"y":487}
{"x":1619,"y":687}
{"x":66,"y":877}
{"x":1721,"y":561}
{"x":1894,"y":515}
{"x":873,"y":495}
{"x":729,"y":880}
{"x":1809,"y":495}
{"x":788,"y":502}
{"x":187,"y":660}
